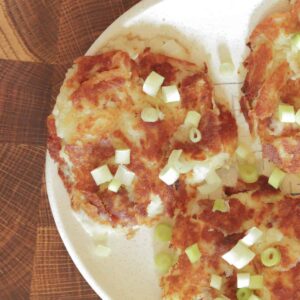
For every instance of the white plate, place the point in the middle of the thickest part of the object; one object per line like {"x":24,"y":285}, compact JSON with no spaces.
{"x":202,"y":26}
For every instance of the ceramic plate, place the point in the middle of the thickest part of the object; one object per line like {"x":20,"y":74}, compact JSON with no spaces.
{"x":205,"y":28}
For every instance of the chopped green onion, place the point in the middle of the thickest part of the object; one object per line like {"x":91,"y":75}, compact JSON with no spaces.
{"x":124,"y":175}
{"x":174,"y":158}
{"x":153,"y":83}
{"x":163,"y":262}
{"x":156,"y":206}
{"x":169,"y":175}
{"x":295,"y":41}
{"x":192,"y":119}
{"x":243,"y":280}
{"x":239,"y":256}
{"x":114,"y":185}
{"x":122,"y":156}
{"x":242,"y":151}
{"x":101,"y":174}
{"x":207,"y":188}
{"x":170,"y":93}
{"x":149,"y":115}
{"x":243,"y":294}
{"x":276,"y":178}
{"x":221,"y":205}
{"x":195,"y":135}
{"x":163,"y":232}
{"x":213,"y":178}
{"x":254,"y":297}
{"x":193,"y":253}
{"x":286,"y":113}
{"x":253,"y":235}
{"x":270,"y":257}
{"x":216,"y":281}
{"x":227,"y":68}
{"x":256,"y":282}
{"x":248,"y":172}
{"x":102,"y":251}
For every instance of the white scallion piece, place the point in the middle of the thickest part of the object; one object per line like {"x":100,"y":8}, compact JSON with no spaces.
{"x":114,"y":185}
{"x":153,"y":83}
{"x":242,"y":151}
{"x":239,"y":256}
{"x":213,"y":178}
{"x":216,"y":281}
{"x":122,"y":156}
{"x":195,"y":135}
{"x":169,"y":175}
{"x":192,"y":119}
{"x":252,"y":236}
{"x":276,"y":178}
{"x":227,"y":68}
{"x":256,"y":282}
{"x":243,"y":280}
{"x":170,"y":93}
{"x":101,"y":174}
{"x":295,"y":41}
{"x":102,"y":251}
{"x":286,"y":113}
{"x":124,"y":175}
{"x":174,"y":157}
{"x":207,"y":189}
{"x":150,"y":115}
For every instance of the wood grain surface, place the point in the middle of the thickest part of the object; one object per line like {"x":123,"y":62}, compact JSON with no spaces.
{"x":38,"y":41}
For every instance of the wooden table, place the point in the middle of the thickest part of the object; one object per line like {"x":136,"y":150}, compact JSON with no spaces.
{"x":38,"y":41}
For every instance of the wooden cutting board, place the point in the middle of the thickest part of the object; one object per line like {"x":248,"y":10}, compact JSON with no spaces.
{"x":38,"y":41}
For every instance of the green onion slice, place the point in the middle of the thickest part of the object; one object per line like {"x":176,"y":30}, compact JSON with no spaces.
{"x":243,"y":294}
{"x":252,"y":236}
{"x":169,"y":175}
{"x":114,"y":185}
{"x":243,"y":280}
{"x":101,"y":174}
{"x":163,"y":262}
{"x":216,"y":281}
{"x":276,"y":178}
{"x":124,"y":175}
{"x":192,"y":119}
{"x":295,"y":41}
{"x":270,"y":257}
{"x":227,"y":68}
{"x":286,"y":113}
{"x":195,"y":135}
{"x":221,"y":205}
{"x":256,"y":282}
{"x":248,"y":172}
{"x":239,"y":256}
{"x":193,"y":253}
{"x":163,"y":232}
{"x":122,"y":156}
{"x":153,"y":83}
{"x":150,"y":115}
{"x":170,"y":93}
